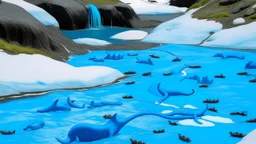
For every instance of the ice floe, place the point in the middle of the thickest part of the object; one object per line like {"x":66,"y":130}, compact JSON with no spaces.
{"x":189,"y":107}
{"x":166,"y":111}
{"x":167,"y":105}
{"x":183,"y":30}
{"x":217,"y":119}
{"x":39,"y":13}
{"x":191,"y":122}
{"x":130,"y":35}
{"x":91,"y":41}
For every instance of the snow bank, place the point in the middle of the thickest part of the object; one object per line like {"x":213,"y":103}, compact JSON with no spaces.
{"x":191,"y":122}
{"x":249,"y":138}
{"x":238,"y":21}
{"x":130,"y":35}
{"x":23,"y":73}
{"x":91,"y":41}
{"x":39,"y":13}
{"x":217,"y":119}
{"x":238,"y":37}
{"x":183,"y":30}
{"x":190,"y":107}
{"x":143,"y":7}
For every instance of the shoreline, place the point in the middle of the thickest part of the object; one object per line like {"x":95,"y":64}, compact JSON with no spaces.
{"x":11,"y":97}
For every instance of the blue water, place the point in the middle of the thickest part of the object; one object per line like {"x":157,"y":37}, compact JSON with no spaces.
{"x":94,"y":18}
{"x":235,"y":94}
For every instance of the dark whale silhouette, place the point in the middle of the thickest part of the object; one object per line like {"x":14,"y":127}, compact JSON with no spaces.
{"x":73,"y":105}
{"x":34,"y":126}
{"x":54,"y":107}
{"x":96,"y":59}
{"x":223,"y":56}
{"x":94,"y":104}
{"x":166,"y":93}
{"x":250,"y":65}
{"x":84,"y":132}
{"x":147,"y":61}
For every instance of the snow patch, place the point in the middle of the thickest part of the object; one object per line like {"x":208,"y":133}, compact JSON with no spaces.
{"x":238,"y":21}
{"x":39,"y":13}
{"x":238,"y":37}
{"x":91,"y":41}
{"x":190,"y":107}
{"x":167,"y":105}
{"x":130,"y":35}
{"x":249,"y":138}
{"x":143,"y":7}
{"x":25,"y":73}
{"x":183,"y":30}
{"x":166,"y":111}
{"x":191,"y":122}
{"x":217,"y":119}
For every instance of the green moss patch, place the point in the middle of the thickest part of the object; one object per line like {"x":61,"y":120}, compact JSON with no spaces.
{"x":198,"y":4}
{"x":253,"y":16}
{"x":215,"y":16}
{"x":101,"y":1}
{"x":17,"y":49}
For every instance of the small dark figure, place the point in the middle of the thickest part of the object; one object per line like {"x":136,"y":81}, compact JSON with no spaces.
{"x":239,"y":113}
{"x":194,"y":66}
{"x":220,"y":76}
{"x":253,"y":80}
{"x":203,"y":86}
{"x":7,"y":132}
{"x":130,"y":83}
{"x":129,"y":54}
{"x":146,"y":74}
{"x":176,"y":60}
{"x":211,"y":101}
{"x":154,"y":56}
{"x":212,"y":109}
{"x":130,"y":72}
{"x":128,"y":97}
{"x":172,"y":123}
{"x":73,"y":101}
{"x":183,"y":138}
{"x":236,"y":134}
{"x":107,"y":116}
{"x":136,"y":142}
{"x":242,"y":73}
{"x":158,"y":131}
{"x":168,"y":74}
{"x":251,"y":120}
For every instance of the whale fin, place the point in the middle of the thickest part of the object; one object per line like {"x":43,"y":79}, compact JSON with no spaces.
{"x":55,"y":103}
{"x":26,"y":128}
{"x":164,"y":98}
{"x":77,"y":139}
{"x":196,"y":119}
{"x":92,"y":102}
{"x":66,"y":141}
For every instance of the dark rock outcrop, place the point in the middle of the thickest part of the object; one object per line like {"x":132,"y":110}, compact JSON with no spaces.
{"x":241,"y":6}
{"x":70,"y":14}
{"x":17,"y":25}
{"x":182,"y":3}
{"x":249,"y":12}
{"x":227,"y":2}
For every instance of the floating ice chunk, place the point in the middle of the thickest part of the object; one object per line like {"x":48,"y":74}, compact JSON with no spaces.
{"x":130,"y":35}
{"x":191,"y":122}
{"x":166,"y":111}
{"x":91,"y":41}
{"x":217,"y":119}
{"x":190,"y":107}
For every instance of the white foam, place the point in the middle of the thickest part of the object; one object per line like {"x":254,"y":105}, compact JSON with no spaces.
{"x":130,"y":35}
{"x":91,"y":41}
{"x":190,"y":107}
{"x":166,"y":111}
{"x":217,"y":119}
{"x":191,"y":122}
{"x":167,"y":105}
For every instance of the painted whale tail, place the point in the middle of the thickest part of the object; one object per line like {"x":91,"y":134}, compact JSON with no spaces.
{"x":248,"y":65}
{"x":66,"y":141}
{"x":188,"y":94}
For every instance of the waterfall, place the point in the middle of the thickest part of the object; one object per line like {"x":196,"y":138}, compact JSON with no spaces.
{"x":94,"y":18}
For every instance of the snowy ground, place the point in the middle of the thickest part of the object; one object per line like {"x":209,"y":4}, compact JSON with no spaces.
{"x":40,"y":14}
{"x":91,"y":41}
{"x":237,"y":37}
{"x":249,"y":138}
{"x":183,"y":30}
{"x":25,"y":73}
{"x":130,"y":35}
{"x":143,"y":7}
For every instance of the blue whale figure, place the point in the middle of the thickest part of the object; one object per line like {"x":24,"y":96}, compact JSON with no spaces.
{"x":108,"y":56}
{"x":73,"y":105}
{"x":96,"y":59}
{"x":205,"y":80}
{"x":54,"y":107}
{"x":221,"y":55}
{"x":94,"y":104}
{"x":189,"y":112}
{"x":195,"y":77}
{"x":34,"y":126}
{"x":92,"y":58}
{"x":148,"y":61}
{"x":164,"y":94}
{"x":87,"y":132}
{"x":250,"y":65}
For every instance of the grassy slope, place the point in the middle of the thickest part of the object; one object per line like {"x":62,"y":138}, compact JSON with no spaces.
{"x":101,"y":1}
{"x":213,"y":10}
{"x":17,"y":49}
